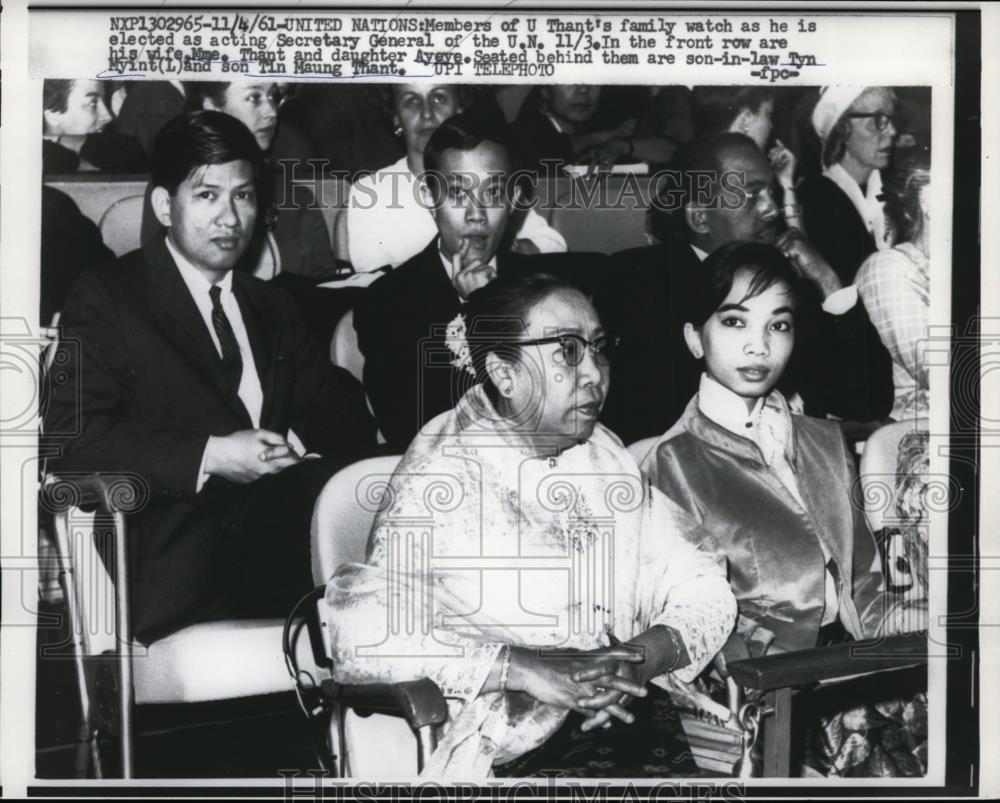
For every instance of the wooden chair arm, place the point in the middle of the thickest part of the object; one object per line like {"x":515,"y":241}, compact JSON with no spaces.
{"x":419,"y":702}
{"x":835,"y":662}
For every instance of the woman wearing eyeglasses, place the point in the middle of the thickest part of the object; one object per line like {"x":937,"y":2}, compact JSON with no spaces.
{"x":554,"y":587}
{"x":843,"y":209}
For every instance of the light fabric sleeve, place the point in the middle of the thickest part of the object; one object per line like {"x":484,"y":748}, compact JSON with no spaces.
{"x":363,"y":225}
{"x":537,"y":229}
{"x":840,"y":301}
{"x":897,"y":303}
{"x":683,"y":586}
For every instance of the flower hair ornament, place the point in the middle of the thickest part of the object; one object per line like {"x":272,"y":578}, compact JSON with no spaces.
{"x":456,"y":339}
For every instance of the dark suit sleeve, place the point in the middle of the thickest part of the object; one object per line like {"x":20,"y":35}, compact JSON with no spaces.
{"x":388,"y":343}
{"x":843,"y":366}
{"x":89,"y":418}
{"x":329,"y":412}
{"x":835,"y":227}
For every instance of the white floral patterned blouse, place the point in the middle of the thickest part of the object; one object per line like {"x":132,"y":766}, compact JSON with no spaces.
{"x":482,"y":543}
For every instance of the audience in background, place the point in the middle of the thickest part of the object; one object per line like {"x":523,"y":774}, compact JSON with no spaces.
{"x":147,"y":107}
{"x":387,"y":220}
{"x":74,"y":119}
{"x":749,"y":110}
{"x":348,"y":127}
{"x":597,"y":127}
{"x":843,"y":208}
{"x":894,"y":285}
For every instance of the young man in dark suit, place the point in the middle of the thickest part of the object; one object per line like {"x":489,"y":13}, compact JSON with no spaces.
{"x":723,"y":190}
{"x":203,"y":384}
{"x":410,"y":375}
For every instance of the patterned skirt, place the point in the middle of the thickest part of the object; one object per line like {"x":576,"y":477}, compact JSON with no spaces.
{"x":653,"y":746}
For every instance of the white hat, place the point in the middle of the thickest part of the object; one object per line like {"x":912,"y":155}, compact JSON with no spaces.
{"x":833,"y":102}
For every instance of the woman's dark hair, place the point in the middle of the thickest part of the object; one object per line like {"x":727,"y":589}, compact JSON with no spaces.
{"x":903,"y":194}
{"x":715,"y":107}
{"x":496,"y":316}
{"x":200,"y":138}
{"x":55,"y":94}
{"x":713,"y":281}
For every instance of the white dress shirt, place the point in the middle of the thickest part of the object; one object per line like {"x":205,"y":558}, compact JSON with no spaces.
{"x":250,"y":391}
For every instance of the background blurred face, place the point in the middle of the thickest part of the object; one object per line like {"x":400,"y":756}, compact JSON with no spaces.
{"x":256,"y":106}
{"x":747,"y":174}
{"x":758,"y":124}
{"x":420,"y":109}
{"x":748,"y":341}
{"x":471,"y":200}
{"x":86,"y":112}
{"x":573,"y":103}
{"x":211,"y":215}
{"x":866,"y":145}
{"x":554,"y":402}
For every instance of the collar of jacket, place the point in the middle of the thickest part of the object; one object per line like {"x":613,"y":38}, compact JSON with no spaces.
{"x":703,"y":427}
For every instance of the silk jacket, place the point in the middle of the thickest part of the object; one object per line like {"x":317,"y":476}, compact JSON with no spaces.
{"x":776,"y":563}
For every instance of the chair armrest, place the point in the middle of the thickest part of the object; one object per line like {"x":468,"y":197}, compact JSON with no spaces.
{"x":835,"y":662}
{"x":419,"y":702}
{"x":111,"y":493}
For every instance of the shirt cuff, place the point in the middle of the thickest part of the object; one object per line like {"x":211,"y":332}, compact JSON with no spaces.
{"x":296,"y":443}
{"x":842,"y":300}
{"x":202,"y":476}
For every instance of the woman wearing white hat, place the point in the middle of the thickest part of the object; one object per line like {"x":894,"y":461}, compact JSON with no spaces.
{"x":843,"y":209}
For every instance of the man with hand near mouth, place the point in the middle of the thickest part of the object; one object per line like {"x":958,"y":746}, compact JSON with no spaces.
{"x":203,"y":385}
{"x":402,"y":323}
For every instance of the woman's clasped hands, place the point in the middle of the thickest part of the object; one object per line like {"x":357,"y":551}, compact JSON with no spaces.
{"x":596,"y":683}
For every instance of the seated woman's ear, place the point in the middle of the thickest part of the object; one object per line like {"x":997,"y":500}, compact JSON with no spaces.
{"x":501,"y":374}
{"x":693,"y":339}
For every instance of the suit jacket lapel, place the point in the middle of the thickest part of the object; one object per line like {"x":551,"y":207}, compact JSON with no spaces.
{"x":180,"y":322}
{"x":261,"y":334}
{"x":434,"y":287}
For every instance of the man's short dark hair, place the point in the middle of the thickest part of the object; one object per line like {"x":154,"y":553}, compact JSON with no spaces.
{"x":462,"y":132}
{"x":200,"y":138}
{"x":716,"y":107}
{"x":55,"y":94}
{"x":195,"y":93}
{"x":696,"y":169}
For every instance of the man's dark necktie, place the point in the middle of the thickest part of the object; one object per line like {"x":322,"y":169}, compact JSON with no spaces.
{"x":231,"y":360}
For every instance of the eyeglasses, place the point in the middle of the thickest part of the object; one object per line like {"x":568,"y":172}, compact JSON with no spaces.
{"x":573,"y":346}
{"x":881,"y":119}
